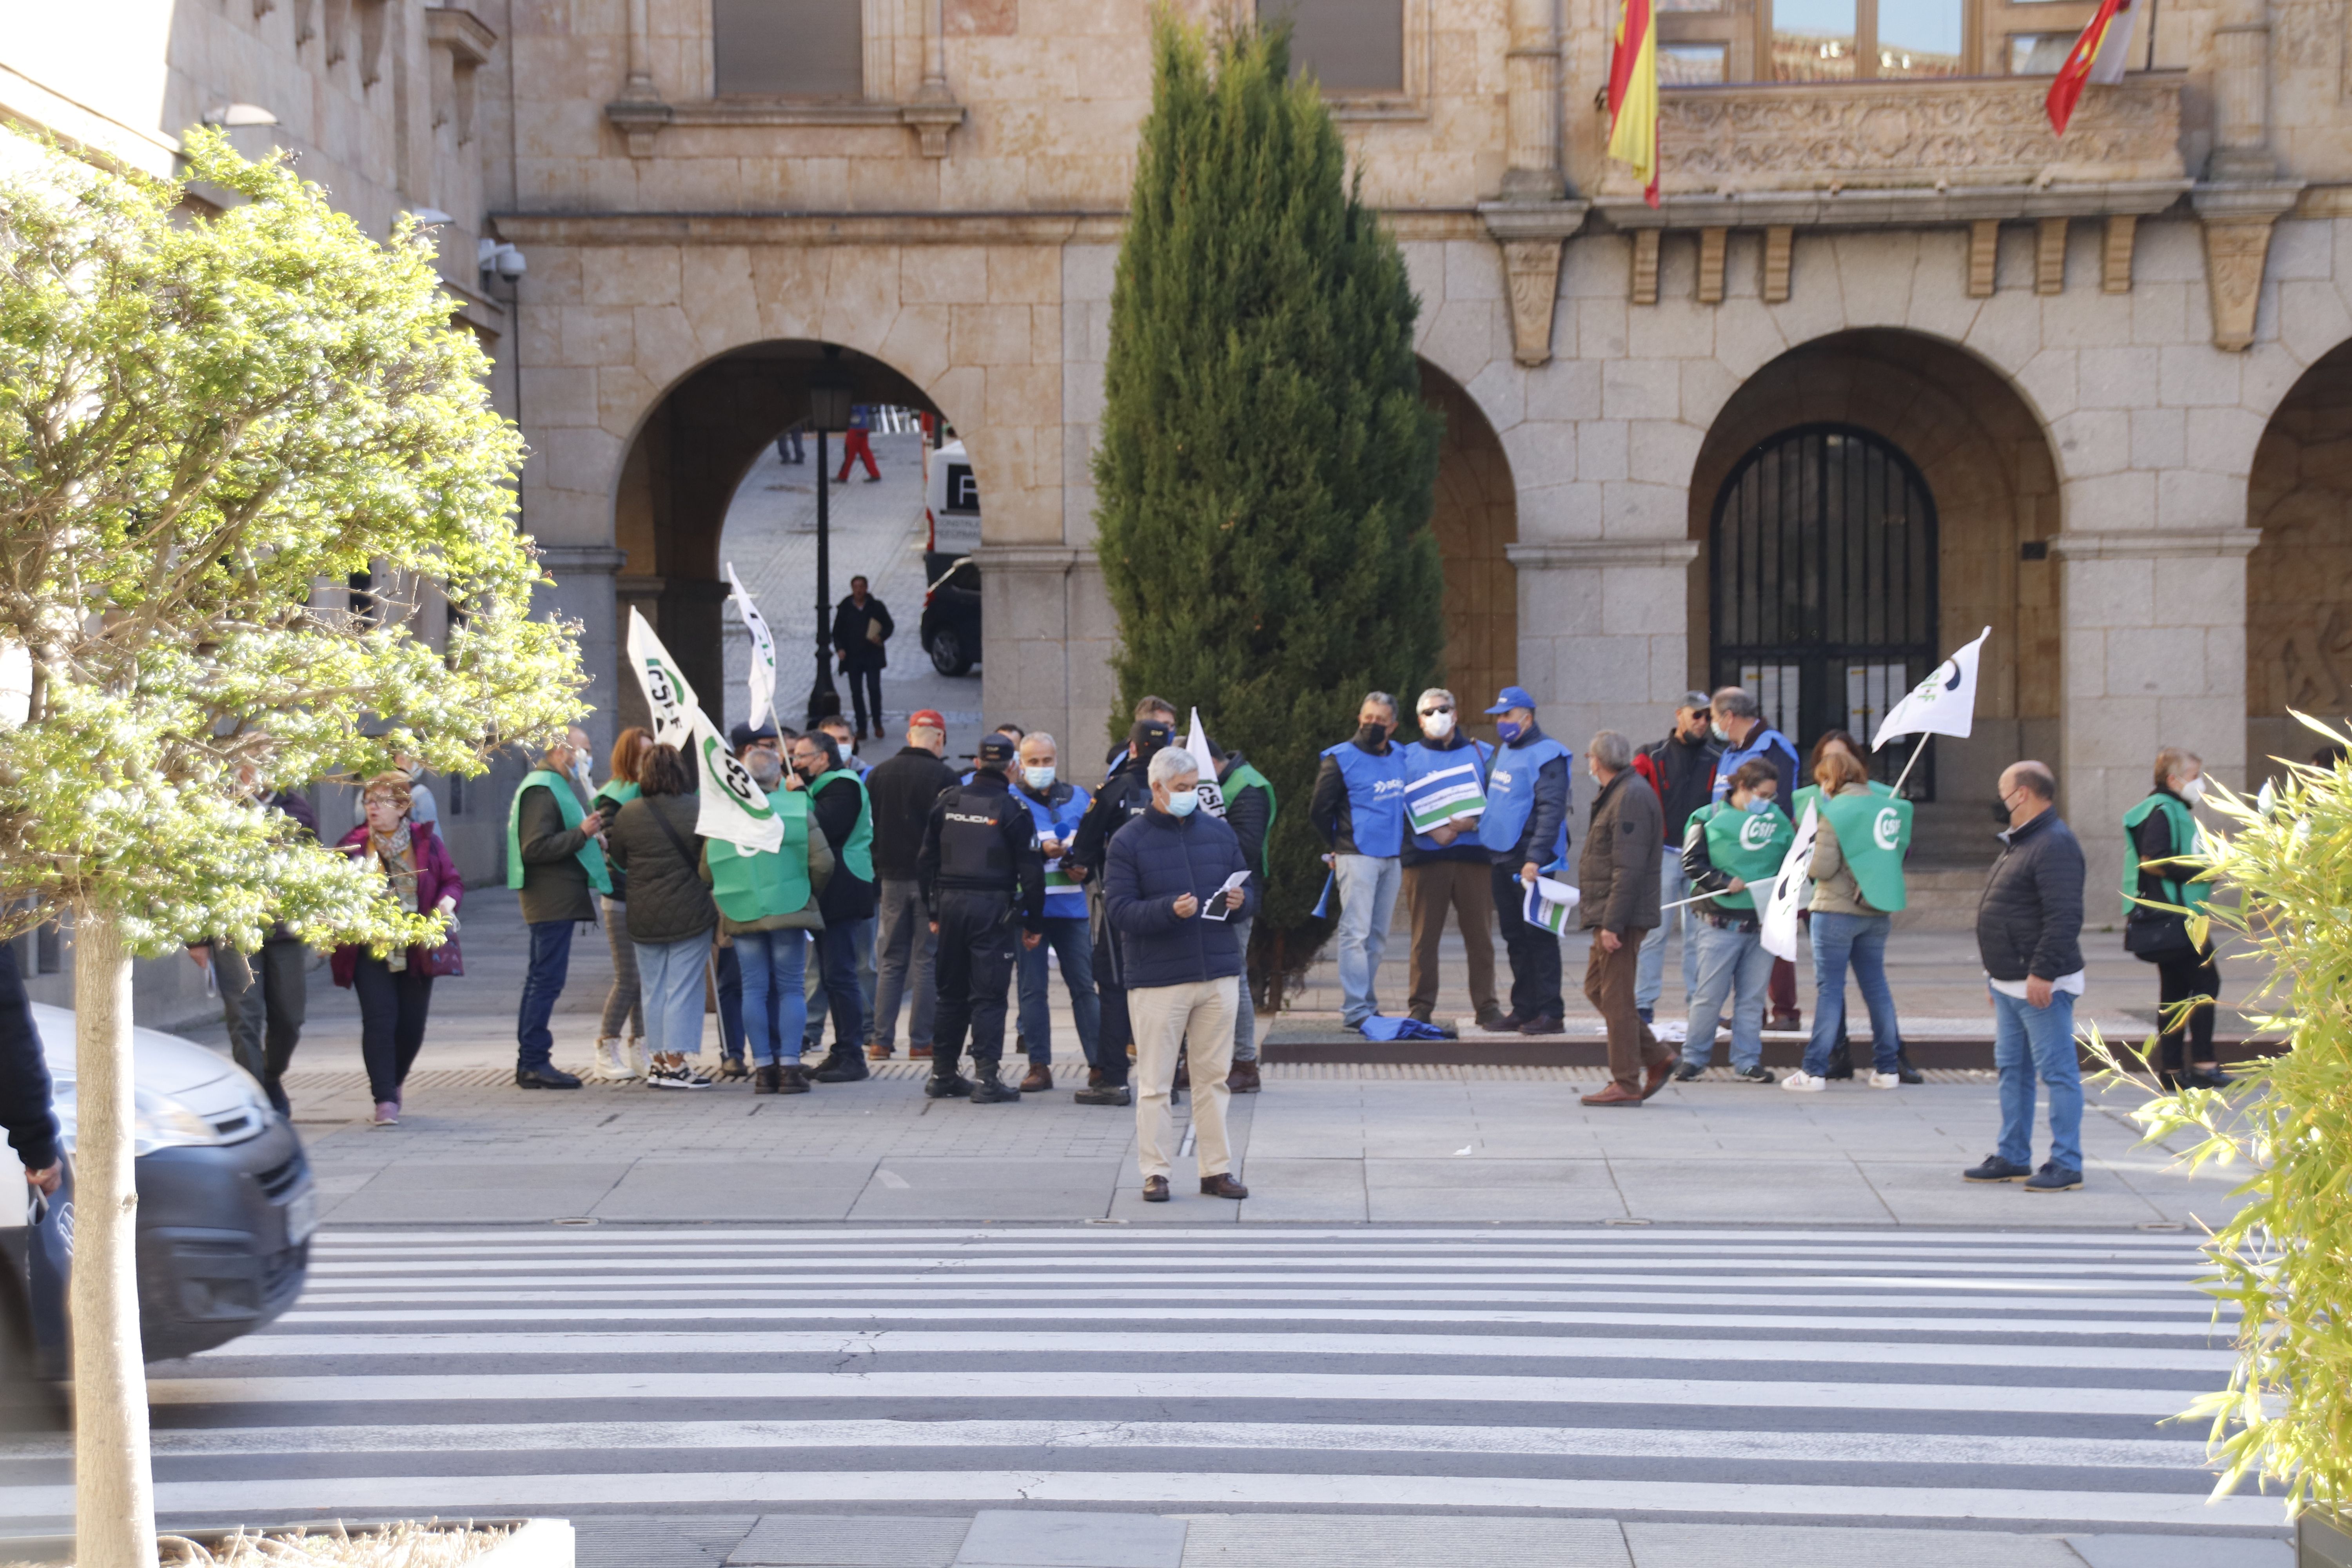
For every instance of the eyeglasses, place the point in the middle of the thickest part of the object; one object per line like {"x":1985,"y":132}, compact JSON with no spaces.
{"x":382,"y":800}
{"x":1441,"y":708}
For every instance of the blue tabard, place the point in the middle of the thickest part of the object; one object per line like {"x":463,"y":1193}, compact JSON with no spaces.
{"x":1375,"y":797}
{"x":1511,"y":799}
{"x":1064,"y":900}
{"x":1759,"y":745}
{"x":1421,"y":761}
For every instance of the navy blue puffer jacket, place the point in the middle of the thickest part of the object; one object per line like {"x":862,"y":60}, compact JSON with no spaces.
{"x":1153,"y":861}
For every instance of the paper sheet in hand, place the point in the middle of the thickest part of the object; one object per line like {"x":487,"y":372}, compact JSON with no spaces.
{"x":1212,"y":908}
{"x":1446,"y":796}
{"x":1550,"y":904}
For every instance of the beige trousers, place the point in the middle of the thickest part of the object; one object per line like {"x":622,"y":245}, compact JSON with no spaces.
{"x":1163,"y":1016}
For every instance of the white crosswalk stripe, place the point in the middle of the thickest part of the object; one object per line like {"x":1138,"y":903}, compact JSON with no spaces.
{"x":1846,"y":1375}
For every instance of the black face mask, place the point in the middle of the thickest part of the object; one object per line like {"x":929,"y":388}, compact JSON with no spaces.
{"x":1373,"y":734}
{"x":2000,"y":811}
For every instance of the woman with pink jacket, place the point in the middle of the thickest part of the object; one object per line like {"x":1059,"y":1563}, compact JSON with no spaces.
{"x":396,"y":991}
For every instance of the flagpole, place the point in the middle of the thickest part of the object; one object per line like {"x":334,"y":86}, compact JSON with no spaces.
{"x":2151,"y":34}
{"x":1916,"y":752}
{"x":1703,"y":898}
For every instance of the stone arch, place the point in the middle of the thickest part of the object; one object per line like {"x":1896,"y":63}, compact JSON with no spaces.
{"x":2299,"y":575}
{"x":1475,"y":519}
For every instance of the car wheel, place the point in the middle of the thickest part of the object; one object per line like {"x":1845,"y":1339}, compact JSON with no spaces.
{"x":948,"y":655}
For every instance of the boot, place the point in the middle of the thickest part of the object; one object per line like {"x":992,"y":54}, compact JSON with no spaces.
{"x":791,"y":1078}
{"x":841,"y":1066}
{"x":988,"y":1088}
{"x":640,"y":1061}
{"x":612,"y":1061}
{"x":1242,"y":1080}
{"x":1040,"y":1079}
{"x":947,"y":1085}
{"x":768,"y":1079}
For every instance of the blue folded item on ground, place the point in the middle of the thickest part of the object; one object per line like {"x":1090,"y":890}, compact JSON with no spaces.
{"x":1377,"y":1027}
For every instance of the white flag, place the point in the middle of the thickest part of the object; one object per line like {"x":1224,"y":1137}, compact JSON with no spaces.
{"x":668,"y":697}
{"x":1197,"y":745}
{"x":763,"y":652}
{"x":734,"y":806}
{"x":1943,"y":704}
{"x":1779,"y":934}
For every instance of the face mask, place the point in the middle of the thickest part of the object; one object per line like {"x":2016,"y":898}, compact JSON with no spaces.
{"x":1722,"y":735}
{"x":2194,"y":790}
{"x":1437,"y":726}
{"x":1758,"y":804}
{"x":1181,"y":802}
{"x":2000,"y":811}
{"x":767,"y":771}
{"x":1038,"y":779}
{"x":580,"y":767}
{"x":1373,"y":734}
{"x":1510,"y":729}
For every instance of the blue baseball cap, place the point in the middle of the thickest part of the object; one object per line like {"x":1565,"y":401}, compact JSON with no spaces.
{"x":1513,"y":697}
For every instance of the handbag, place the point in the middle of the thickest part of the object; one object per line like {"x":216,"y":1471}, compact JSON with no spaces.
{"x":434,"y":963}
{"x":2158,"y":936}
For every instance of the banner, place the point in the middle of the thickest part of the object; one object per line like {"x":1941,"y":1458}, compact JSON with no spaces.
{"x":1943,"y":704}
{"x":734,"y":806}
{"x":763,"y":680}
{"x":668,"y":698}
{"x":1212,"y":799}
{"x":1446,"y":796}
{"x":1779,"y":923}
{"x":1550,"y":904}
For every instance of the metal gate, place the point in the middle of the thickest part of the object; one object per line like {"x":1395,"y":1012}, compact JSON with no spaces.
{"x":1822,"y":553}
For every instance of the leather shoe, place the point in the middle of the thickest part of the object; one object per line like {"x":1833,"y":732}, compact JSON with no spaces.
{"x":878,"y":1052}
{"x":1242,"y":1080}
{"x":1105,"y":1094}
{"x":767,"y":1078}
{"x":1491,"y":1018}
{"x":1551,"y":1024}
{"x":918,"y":1053}
{"x":1612,"y":1093}
{"x":1659,"y":1072}
{"x":1419,"y":1014}
{"x":1155,"y":1189}
{"x":1221,"y":1187}
{"x":1040,"y":1080}
{"x":841,"y":1066}
{"x":989,"y":1090}
{"x":1094,"y":1078}
{"x":544,"y":1078}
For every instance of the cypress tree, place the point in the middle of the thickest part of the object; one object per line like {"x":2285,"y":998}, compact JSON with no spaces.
{"x":1266,"y":465}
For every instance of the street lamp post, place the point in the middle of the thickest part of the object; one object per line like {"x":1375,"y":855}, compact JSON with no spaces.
{"x":828,"y":411}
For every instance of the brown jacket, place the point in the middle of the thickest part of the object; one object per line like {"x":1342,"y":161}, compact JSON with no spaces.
{"x":1618,"y":871}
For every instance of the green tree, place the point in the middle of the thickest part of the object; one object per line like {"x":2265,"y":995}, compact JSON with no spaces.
{"x":1266,"y":463}
{"x":208,"y":420}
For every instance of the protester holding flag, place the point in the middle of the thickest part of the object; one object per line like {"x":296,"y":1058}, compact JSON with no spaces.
{"x":553,"y":862}
{"x":768,"y":903}
{"x":1358,"y":808}
{"x":619,"y":1058}
{"x":1857,"y":876}
{"x":1445,"y":866}
{"x":763,"y":677}
{"x":671,"y":917}
{"x":1057,"y":807}
{"x":1249,"y":812}
{"x":1618,"y":875}
{"x":1740,"y":727}
{"x":1730,"y":850}
{"x":1524,"y":831}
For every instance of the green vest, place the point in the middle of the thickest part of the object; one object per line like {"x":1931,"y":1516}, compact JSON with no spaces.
{"x":614,"y":790}
{"x":752,"y":885}
{"x":1873,"y":831}
{"x":591,"y":856}
{"x":2177,"y":888}
{"x":1749,"y":847}
{"x":858,"y":855}
{"x":1813,"y":793}
{"x":1246,"y":776}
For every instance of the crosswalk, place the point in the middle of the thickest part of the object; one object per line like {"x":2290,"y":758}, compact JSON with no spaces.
{"x":2023,"y":1379}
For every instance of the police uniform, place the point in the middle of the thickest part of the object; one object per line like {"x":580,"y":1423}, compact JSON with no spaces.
{"x":984,"y":881}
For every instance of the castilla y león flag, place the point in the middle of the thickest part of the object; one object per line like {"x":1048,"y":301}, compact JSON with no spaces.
{"x":1633,"y":96}
{"x":2097,"y":56}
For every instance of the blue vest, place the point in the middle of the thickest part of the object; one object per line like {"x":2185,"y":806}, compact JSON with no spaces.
{"x":1421,"y":761}
{"x":1759,"y":743}
{"x":1064,"y":900}
{"x":1375,"y":797}
{"x":1511,"y":800}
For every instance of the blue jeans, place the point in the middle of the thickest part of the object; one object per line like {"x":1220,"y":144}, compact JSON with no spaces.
{"x":2026,"y":1041}
{"x":729,"y":984}
{"x":1649,"y":977}
{"x":1244,"y":1010}
{"x":551,"y":962}
{"x":1073,"y":942}
{"x":1367,"y":887}
{"x":773,"y":1007}
{"x":837,"y":948}
{"x":1732,"y":963}
{"x":1859,"y":941}
{"x":669,"y":975}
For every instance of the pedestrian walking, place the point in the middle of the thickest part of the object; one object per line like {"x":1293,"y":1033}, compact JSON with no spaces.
{"x":2160,"y":830}
{"x":1125,"y":796}
{"x":1524,"y":831}
{"x":1730,"y":850}
{"x":1736,"y":722}
{"x":1174,"y":881}
{"x":1680,"y":771}
{"x":769,"y":902}
{"x":844,"y":815}
{"x":858,"y":445}
{"x":555,"y":863}
{"x":862,"y":629}
{"x":789,"y":449}
{"x":672,"y":919}
{"x":1249,"y":812}
{"x":1056,"y":807}
{"x":620,"y":1057}
{"x":396,"y":991}
{"x":1857,"y":875}
{"x":2029,"y":933}
{"x":984,"y":884}
{"x":1618,"y":875}
{"x":1446,"y":868}
{"x":901,"y":790}
{"x":1358,"y":808}
{"x":265,"y":994}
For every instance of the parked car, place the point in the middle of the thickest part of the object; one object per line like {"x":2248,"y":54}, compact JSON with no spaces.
{"x":227,"y":1207}
{"x":950,"y":630}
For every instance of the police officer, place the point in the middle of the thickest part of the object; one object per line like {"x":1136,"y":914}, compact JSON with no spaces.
{"x":978,"y":857}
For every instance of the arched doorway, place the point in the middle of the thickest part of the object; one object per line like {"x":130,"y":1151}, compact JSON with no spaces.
{"x":1823,"y":556}
{"x":2299,"y":577}
{"x":1475,"y":519}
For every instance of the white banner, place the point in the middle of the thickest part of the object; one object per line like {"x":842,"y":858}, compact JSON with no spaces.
{"x":1943,"y":704}
{"x":1197,"y":744}
{"x":734,"y":806}
{"x":762,"y":681}
{"x":668,"y":698}
{"x":1780,"y":923}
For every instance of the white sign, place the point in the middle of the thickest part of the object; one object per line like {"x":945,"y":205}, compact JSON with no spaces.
{"x":762,"y":681}
{"x":668,"y":697}
{"x":1197,"y":745}
{"x":1943,"y":704}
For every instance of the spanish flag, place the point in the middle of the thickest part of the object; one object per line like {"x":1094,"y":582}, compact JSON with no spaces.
{"x":1633,"y":96}
{"x":2099,"y":55}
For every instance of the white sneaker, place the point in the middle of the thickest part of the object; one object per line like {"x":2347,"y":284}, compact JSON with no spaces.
{"x":638,"y":1060}
{"x":613,"y":1064}
{"x":1802,"y":1082}
{"x":680,"y":1077}
{"x":1884,"y":1080}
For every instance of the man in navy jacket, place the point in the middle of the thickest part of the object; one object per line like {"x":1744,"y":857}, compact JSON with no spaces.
{"x":1165,"y":894}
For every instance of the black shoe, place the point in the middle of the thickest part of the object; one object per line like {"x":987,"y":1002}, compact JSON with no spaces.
{"x":768,"y":1079}
{"x":989,"y":1090}
{"x":1688,"y":1072}
{"x":1996,"y":1169}
{"x":954,"y":1086}
{"x":2053,"y":1178}
{"x":544,"y":1078}
{"x":1903,"y":1067}
{"x":1760,"y":1073}
{"x":2204,"y":1077}
{"x":841,"y":1066}
{"x":1105,"y":1094}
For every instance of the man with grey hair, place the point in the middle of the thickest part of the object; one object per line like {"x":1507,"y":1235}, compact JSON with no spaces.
{"x":1619,"y":877}
{"x":1444,"y":867}
{"x":1358,"y":808}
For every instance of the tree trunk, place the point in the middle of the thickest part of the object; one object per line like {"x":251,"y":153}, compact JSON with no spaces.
{"x":114,"y":1489}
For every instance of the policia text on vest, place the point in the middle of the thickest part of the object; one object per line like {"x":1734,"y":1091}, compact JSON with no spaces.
{"x":984,"y":881}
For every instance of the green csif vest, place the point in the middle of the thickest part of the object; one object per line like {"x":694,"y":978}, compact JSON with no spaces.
{"x":1812,"y":794}
{"x":1873,"y":831}
{"x":590,"y":854}
{"x":1246,"y":776}
{"x":2178,"y":888}
{"x":858,"y":855}
{"x":753,"y":885}
{"x":1749,"y":847}
{"x":613,"y":790}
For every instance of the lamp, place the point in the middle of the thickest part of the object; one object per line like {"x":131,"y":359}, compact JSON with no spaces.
{"x":828,"y":403}
{"x":829,"y":393}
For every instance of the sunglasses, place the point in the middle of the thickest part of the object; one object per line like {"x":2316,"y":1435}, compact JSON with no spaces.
{"x":1441,"y":708}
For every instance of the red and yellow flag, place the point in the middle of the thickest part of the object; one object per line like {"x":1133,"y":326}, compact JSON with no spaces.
{"x":1633,"y":96}
{"x":2099,"y":55}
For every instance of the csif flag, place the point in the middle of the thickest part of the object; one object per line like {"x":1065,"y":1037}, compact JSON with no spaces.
{"x":1196,"y":744}
{"x":733,"y":806}
{"x":1633,"y":96}
{"x":1943,"y":704}
{"x":2099,"y":55}
{"x":762,"y":679}
{"x":1779,"y":923}
{"x":668,"y":697}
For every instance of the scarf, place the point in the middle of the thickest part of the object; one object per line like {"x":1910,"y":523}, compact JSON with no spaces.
{"x":396,"y":855}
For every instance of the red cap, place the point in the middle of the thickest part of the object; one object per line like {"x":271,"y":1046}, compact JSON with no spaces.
{"x":930,"y":717}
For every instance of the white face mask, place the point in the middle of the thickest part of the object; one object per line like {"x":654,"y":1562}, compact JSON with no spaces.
{"x":1038,"y":778}
{"x":2193,"y":791}
{"x":1182,"y":802}
{"x":1437,"y":726}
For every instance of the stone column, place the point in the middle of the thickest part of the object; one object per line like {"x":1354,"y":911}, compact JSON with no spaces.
{"x":1532,"y":105}
{"x":1604,"y":642}
{"x":639,"y":113}
{"x":2153,"y":628}
{"x":583,"y":592}
{"x":1048,"y":636}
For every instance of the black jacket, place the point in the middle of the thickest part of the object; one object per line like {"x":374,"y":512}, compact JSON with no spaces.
{"x":1015,"y":869}
{"x":1249,"y":813}
{"x":1329,"y":807}
{"x":25,"y":1108}
{"x":667,"y":900}
{"x":2030,"y":920}
{"x":1683,"y":774}
{"x":850,"y":638}
{"x":1155,"y":860}
{"x":903,"y":789}
{"x":846,"y":897}
{"x":1124,"y":796}
{"x":554,"y":883}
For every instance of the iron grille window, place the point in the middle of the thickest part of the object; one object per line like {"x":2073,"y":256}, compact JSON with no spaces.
{"x":1822,"y":558}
